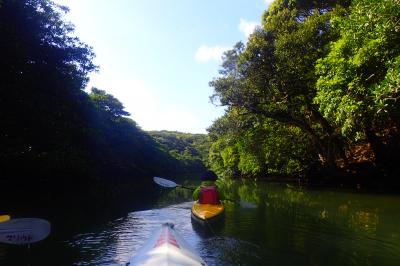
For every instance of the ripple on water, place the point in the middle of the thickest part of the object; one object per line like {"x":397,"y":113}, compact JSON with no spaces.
{"x":123,"y":237}
{"x":250,"y":237}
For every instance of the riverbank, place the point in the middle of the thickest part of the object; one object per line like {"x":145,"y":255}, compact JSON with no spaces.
{"x":359,"y":171}
{"x":361,"y":177}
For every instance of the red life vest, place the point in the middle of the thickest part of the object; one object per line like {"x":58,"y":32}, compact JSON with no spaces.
{"x":208,"y":195}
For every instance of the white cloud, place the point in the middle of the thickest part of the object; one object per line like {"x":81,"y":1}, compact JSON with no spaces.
{"x":205,"y":53}
{"x":268,"y":2}
{"x":247,"y":27}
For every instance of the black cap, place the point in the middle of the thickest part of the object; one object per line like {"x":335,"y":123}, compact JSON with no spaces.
{"x":209,"y":176}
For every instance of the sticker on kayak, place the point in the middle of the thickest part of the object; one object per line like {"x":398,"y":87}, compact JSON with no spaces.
{"x":166,"y":237}
{"x":23,"y":231}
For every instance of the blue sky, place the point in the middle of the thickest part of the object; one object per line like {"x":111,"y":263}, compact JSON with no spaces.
{"x":158,"y":56}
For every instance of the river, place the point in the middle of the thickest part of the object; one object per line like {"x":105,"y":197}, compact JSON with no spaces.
{"x":286,"y":226}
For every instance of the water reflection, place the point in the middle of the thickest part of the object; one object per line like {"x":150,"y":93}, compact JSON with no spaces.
{"x":326,"y":227}
{"x":289,"y":226}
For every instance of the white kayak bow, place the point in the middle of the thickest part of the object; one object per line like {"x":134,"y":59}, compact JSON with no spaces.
{"x":166,"y":247}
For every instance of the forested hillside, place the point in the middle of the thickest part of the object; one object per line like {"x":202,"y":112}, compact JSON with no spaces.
{"x":314,"y":84}
{"x":57,"y":140}
{"x":190,"y":149}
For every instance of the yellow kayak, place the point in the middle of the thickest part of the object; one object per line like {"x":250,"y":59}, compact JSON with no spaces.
{"x":4,"y":218}
{"x":205,"y":213}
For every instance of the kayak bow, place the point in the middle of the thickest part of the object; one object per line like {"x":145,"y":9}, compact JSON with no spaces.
{"x":164,"y":248}
{"x":207,"y":213}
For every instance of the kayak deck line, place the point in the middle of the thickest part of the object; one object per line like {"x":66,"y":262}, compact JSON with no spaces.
{"x":166,"y":248}
{"x":166,"y":237}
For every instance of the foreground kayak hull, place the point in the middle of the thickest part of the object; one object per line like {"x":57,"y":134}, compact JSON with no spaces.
{"x":208,"y":214}
{"x":166,"y":247}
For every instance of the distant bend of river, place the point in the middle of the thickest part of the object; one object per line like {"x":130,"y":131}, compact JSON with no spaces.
{"x":287,"y":226}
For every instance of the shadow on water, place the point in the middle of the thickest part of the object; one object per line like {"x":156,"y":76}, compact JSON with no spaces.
{"x":209,"y":229}
{"x":289,"y":226}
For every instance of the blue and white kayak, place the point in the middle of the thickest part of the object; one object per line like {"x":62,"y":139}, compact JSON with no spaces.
{"x":166,"y":247}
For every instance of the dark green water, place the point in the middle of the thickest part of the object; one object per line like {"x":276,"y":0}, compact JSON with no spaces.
{"x":288,"y":226}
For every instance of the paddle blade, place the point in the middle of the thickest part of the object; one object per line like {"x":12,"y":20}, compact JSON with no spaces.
{"x":4,"y":218}
{"x":24,"y":231}
{"x":164,"y":182}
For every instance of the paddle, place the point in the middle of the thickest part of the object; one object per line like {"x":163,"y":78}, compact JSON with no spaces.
{"x":24,"y":231}
{"x":4,"y":218}
{"x":171,"y":184}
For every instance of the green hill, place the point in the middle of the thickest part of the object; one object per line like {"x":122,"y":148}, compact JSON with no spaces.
{"x":190,"y":149}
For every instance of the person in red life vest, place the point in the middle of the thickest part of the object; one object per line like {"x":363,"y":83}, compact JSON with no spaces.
{"x":207,"y":192}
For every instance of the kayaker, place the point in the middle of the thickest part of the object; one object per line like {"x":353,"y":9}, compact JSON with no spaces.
{"x":207,"y":192}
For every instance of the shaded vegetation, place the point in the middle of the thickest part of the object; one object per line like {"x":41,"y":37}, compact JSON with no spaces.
{"x":56,"y":140}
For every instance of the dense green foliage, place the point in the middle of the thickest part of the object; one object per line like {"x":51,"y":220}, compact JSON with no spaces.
{"x":316,"y":79}
{"x":252,"y":145}
{"x":359,"y":80}
{"x":190,"y":149}
{"x":56,"y":139}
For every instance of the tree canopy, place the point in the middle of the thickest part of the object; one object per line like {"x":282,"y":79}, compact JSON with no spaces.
{"x":55,"y":138}
{"x":359,"y":80}
{"x":324,"y":73}
{"x":108,"y":103}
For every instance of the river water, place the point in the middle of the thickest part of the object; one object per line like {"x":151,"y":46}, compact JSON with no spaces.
{"x":284,"y":226}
